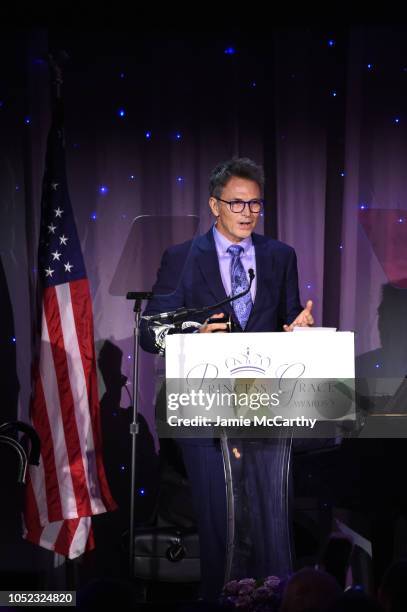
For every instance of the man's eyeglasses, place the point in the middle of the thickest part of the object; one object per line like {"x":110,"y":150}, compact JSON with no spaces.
{"x":238,"y":206}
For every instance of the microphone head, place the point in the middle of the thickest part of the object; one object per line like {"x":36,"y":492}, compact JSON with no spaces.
{"x":251,"y":274}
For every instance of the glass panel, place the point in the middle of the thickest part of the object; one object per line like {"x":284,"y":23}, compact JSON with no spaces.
{"x":259,"y":532}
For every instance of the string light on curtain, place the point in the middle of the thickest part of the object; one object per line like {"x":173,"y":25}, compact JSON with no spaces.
{"x":230,"y":51}
{"x":122,"y":75}
{"x":103,"y":190}
{"x":121,"y":112}
{"x":93,"y":216}
{"x":132,"y":177}
{"x":363,"y":206}
{"x":370,"y":66}
{"x":331,"y":42}
{"x":334,"y":94}
{"x":180,"y":179}
{"x":397,"y":120}
{"x":178,"y":136}
{"x":27,"y":120}
{"x":148,"y":135}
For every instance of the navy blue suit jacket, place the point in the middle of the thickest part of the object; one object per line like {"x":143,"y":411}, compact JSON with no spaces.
{"x":189,"y":276}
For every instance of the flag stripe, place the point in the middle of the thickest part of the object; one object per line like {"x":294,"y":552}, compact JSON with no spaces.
{"x":59,"y":482}
{"x":82,"y":311}
{"x":32,"y":523}
{"x":48,"y":497}
{"x":97,"y":428}
{"x":66,"y":535}
{"x":90,"y":542}
{"x":50,"y":534}
{"x":79,"y":392}
{"x":82,"y":533}
{"x":70,"y":427}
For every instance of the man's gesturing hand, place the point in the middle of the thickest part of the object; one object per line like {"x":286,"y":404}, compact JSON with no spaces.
{"x":304,"y":319}
{"x":208,"y":328}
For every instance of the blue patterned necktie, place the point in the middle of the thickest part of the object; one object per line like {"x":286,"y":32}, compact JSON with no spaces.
{"x":240,"y":282}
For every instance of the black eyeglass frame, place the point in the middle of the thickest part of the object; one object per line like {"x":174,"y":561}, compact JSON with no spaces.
{"x":249,"y":203}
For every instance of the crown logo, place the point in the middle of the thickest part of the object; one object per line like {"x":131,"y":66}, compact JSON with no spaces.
{"x":248,"y":361}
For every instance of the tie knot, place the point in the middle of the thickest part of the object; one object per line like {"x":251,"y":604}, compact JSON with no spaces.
{"x":235,"y":250}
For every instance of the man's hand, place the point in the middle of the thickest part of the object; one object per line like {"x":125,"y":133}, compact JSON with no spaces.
{"x":304,"y":319}
{"x":208,"y":328}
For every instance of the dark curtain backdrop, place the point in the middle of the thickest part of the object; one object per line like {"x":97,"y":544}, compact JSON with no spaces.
{"x":323,"y":109}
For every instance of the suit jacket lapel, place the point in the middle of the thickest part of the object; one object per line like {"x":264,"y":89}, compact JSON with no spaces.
{"x":209,"y":264}
{"x":264,"y":269}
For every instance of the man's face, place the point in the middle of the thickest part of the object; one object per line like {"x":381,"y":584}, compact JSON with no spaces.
{"x":236,"y":226}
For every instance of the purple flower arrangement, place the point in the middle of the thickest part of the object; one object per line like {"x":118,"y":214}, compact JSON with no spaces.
{"x":250,"y":595}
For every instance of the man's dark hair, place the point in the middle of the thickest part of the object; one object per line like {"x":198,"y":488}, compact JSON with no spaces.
{"x":242,"y":167}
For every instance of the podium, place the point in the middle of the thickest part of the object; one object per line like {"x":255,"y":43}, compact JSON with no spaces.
{"x":252,"y":393}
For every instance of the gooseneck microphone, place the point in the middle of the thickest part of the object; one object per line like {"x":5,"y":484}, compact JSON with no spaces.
{"x":181,"y":313}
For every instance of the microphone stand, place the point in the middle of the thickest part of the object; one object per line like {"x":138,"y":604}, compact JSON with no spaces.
{"x":138,"y":297}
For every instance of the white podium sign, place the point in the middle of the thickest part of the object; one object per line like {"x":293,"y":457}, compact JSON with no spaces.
{"x":316,"y":354}
{"x":260,"y":381}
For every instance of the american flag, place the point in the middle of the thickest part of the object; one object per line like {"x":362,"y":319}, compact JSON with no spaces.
{"x":70,"y":485}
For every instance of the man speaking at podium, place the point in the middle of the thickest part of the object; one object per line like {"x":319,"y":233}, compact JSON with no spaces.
{"x":203,"y":272}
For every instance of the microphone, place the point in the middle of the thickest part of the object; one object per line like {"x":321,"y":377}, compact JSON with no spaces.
{"x":172,"y":315}
{"x":181,"y":313}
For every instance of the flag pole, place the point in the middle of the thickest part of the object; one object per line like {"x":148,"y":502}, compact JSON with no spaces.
{"x":56,"y":82}
{"x":55,"y":61}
